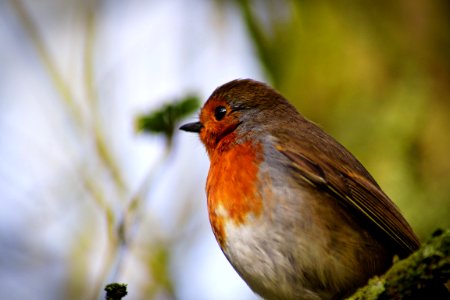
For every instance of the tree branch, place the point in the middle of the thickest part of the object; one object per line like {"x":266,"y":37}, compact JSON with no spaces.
{"x":422,"y":275}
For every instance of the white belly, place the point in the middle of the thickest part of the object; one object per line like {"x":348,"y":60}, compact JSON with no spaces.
{"x":259,"y":253}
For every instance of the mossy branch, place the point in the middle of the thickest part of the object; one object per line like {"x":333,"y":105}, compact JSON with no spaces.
{"x":115,"y":291}
{"x":420,"y":276}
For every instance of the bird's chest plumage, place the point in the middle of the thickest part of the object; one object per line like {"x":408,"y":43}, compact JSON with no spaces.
{"x":263,"y":224}
{"x":245,"y":225}
{"x":232,"y":188}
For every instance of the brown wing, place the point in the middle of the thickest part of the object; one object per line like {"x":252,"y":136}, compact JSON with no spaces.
{"x":360,"y":192}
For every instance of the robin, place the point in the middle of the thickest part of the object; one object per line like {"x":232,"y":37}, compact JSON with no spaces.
{"x":294,"y":212}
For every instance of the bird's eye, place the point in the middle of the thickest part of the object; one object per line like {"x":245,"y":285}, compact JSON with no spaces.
{"x":220,"y":112}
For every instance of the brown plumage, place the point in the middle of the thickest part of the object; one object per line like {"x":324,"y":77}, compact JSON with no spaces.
{"x":295,"y":213}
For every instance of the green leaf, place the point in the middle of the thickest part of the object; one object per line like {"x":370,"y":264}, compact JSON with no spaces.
{"x":164,"y":119}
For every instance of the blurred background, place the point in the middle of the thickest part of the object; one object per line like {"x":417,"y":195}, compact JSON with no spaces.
{"x":87,"y":200}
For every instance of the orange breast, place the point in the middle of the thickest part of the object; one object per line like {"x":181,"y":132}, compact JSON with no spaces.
{"x":231,"y":187}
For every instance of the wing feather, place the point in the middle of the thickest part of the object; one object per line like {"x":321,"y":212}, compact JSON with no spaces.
{"x":360,"y":193}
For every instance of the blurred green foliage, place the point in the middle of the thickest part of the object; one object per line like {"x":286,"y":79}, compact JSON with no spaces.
{"x":376,"y":75}
{"x":164,"y":119}
{"x":160,"y":271}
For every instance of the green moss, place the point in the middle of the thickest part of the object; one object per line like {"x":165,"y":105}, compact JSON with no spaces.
{"x":420,"y":276}
{"x":373,"y":289}
{"x":115,"y":291}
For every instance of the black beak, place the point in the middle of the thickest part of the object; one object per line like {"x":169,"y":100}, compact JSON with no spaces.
{"x":192,"y":127}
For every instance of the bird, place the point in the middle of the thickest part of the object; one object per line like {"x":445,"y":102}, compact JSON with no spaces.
{"x":293,"y":211}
